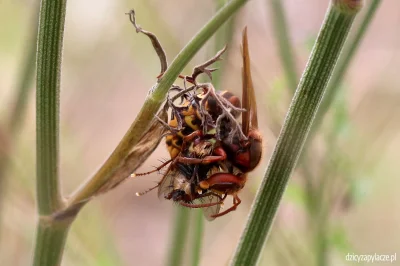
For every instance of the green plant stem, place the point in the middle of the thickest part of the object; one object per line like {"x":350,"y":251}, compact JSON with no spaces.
{"x":50,"y":241}
{"x":197,"y":237}
{"x":151,"y":106}
{"x":285,"y":47}
{"x":304,"y":106}
{"x":52,"y":18}
{"x":176,"y":253}
{"x":50,"y":235}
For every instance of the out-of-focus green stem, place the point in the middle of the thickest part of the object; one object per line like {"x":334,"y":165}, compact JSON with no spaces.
{"x":197,"y":237}
{"x":179,"y":237}
{"x":285,"y":47}
{"x":50,"y":235}
{"x":25,"y":78}
{"x":321,"y":243}
{"x":4,"y":160}
{"x":343,"y":64}
{"x":16,"y":116}
{"x":300,"y":116}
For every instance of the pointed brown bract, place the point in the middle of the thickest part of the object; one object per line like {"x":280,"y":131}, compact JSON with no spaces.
{"x":249,"y":118}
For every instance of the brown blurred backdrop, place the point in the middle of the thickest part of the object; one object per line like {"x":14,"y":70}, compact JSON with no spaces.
{"x":107,"y":71}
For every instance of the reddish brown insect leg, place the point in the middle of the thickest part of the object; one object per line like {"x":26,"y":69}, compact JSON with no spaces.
{"x":192,"y":136}
{"x":236,"y":202}
{"x":225,"y":182}
{"x":147,"y":190}
{"x":155,"y":170}
{"x":220,"y":156}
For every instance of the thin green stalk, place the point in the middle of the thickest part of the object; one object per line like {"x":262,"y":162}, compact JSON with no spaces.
{"x":177,"y":247}
{"x":25,"y":77}
{"x":51,"y":30}
{"x":197,"y":237}
{"x":150,"y":108}
{"x":50,"y":242}
{"x":50,"y":235}
{"x":302,"y":111}
{"x":285,"y":47}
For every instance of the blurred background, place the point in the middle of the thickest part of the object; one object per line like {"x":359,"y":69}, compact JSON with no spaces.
{"x":343,"y":198}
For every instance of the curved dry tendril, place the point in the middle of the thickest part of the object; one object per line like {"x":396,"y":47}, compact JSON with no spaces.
{"x":182,"y":92}
{"x":203,"y":67}
{"x":226,"y":112}
{"x":154,"y":40}
{"x":173,"y":130}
